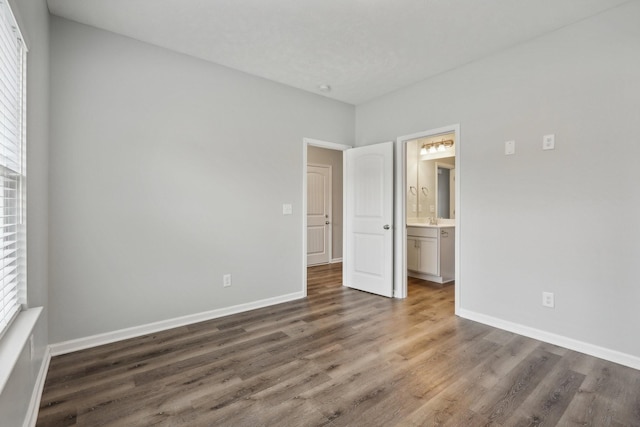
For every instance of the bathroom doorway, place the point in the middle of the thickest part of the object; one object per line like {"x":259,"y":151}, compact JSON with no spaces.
{"x":419,"y":157}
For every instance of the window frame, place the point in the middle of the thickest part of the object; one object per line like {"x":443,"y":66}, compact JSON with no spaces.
{"x":12,"y":168}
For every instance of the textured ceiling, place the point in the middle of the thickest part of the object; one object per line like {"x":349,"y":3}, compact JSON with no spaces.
{"x":362,"y":48}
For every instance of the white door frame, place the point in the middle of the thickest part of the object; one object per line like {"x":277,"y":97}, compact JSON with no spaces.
{"x":400,"y":262}
{"x":322,"y":144}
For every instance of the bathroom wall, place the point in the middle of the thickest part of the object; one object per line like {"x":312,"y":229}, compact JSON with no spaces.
{"x":333,"y":158}
{"x":413,"y":209}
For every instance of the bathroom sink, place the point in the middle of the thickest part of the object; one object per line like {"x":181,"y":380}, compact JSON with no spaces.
{"x":426,"y":224}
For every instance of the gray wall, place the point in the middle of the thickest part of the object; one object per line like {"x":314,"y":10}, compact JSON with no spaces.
{"x":333,"y":158}
{"x":166,"y":173}
{"x":542,"y":221}
{"x":33,"y":18}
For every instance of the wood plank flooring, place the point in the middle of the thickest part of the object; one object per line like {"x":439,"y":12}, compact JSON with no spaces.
{"x":339,"y":358}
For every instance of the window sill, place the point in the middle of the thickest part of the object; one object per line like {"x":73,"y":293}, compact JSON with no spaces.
{"x":14,"y":340}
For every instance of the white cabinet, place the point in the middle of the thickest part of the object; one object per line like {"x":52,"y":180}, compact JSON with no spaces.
{"x":431,"y":253}
{"x":413,"y":252}
{"x":422,"y":254}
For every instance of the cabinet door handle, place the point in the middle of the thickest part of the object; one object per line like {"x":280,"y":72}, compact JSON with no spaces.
{"x":386,"y":226}
{"x":327,"y":222}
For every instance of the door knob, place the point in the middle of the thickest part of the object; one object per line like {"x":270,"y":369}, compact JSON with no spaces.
{"x":386,"y":226}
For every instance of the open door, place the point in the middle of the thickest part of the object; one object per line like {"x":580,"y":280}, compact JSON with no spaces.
{"x":368,"y":264}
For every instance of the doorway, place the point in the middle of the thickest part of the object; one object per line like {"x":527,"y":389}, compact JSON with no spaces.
{"x":403,"y":193}
{"x":400,"y":213}
{"x":310,"y":144}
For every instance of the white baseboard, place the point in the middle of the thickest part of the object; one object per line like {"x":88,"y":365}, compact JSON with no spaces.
{"x":570,"y":343}
{"x":34,"y":405}
{"x":429,"y":277}
{"x":335,"y":260}
{"x":150,"y":328}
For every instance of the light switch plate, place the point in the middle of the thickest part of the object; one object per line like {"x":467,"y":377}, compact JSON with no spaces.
{"x":509,"y":148}
{"x":287,"y":209}
{"x":548,"y":142}
{"x":548,"y":299}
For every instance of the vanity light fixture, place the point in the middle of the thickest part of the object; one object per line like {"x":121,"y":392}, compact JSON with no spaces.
{"x":435,"y":147}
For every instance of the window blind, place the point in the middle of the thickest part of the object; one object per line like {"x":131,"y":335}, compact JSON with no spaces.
{"x":12,"y":135}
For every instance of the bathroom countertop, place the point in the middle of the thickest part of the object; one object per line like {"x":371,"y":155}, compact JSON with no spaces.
{"x":427,"y":225}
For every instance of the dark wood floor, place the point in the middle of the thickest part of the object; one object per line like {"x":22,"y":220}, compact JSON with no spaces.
{"x":339,"y":358}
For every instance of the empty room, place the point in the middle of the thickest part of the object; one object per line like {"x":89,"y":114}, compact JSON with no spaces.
{"x":320,"y":213}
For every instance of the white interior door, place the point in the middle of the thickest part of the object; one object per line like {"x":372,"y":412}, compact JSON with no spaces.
{"x":318,"y":214}
{"x":368,"y":264}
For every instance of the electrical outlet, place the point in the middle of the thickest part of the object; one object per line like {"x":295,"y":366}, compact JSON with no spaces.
{"x":226,"y":280}
{"x":547,"y":299}
{"x":509,"y":148}
{"x":548,"y":142}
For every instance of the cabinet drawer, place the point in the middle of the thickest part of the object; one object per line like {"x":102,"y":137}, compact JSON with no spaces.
{"x":422,"y":231}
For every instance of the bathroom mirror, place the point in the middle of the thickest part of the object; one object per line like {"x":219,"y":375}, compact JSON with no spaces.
{"x":424,"y":199}
{"x":445,"y":179}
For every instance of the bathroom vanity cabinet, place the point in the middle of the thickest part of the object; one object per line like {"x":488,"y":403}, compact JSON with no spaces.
{"x":431,"y":252}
